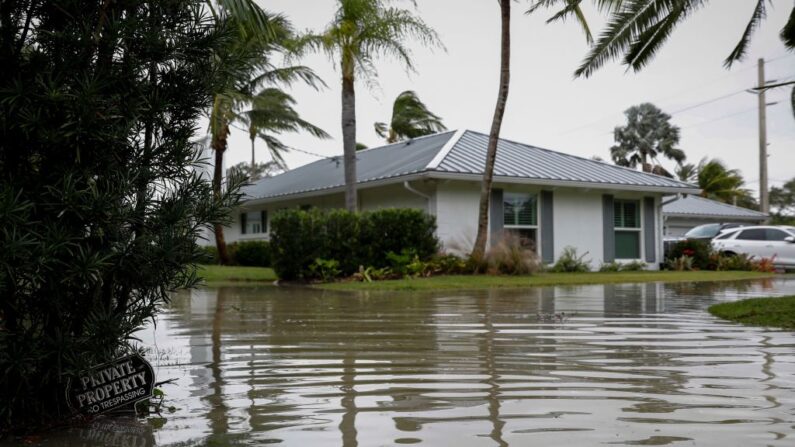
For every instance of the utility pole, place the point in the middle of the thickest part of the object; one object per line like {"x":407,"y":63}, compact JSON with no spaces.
{"x":764,"y":203}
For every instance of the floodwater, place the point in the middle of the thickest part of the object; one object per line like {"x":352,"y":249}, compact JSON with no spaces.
{"x":631,"y":364}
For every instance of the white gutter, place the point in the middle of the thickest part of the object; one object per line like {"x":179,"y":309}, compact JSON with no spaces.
{"x":408,"y":186}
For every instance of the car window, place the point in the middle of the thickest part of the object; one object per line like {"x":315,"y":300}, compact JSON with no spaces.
{"x":753,"y":234}
{"x":726,"y":235}
{"x":776,"y":235}
{"x":703,"y":231}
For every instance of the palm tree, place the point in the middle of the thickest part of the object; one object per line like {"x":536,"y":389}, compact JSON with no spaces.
{"x":647,"y":135}
{"x":241,"y":69}
{"x":717,"y":182}
{"x":687,"y":172}
{"x":360,"y":31}
{"x":572,"y":8}
{"x":272,"y":113}
{"x":410,"y":119}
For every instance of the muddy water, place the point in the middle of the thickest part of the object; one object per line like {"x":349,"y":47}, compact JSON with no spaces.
{"x":635,"y":364}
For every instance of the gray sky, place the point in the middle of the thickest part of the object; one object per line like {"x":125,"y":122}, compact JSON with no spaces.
{"x":547,"y":107}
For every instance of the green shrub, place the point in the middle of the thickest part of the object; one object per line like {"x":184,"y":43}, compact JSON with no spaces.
{"x":508,"y":257}
{"x":325,"y":269}
{"x":250,"y":253}
{"x":354,"y":240}
{"x":683,"y":263}
{"x":209,"y":254}
{"x":700,"y":251}
{"x":570,"y":262}
{"x":610,"y":267}
{"x":633,"y":266}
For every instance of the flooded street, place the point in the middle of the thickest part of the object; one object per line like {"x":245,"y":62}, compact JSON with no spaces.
{"x":631,"y":364}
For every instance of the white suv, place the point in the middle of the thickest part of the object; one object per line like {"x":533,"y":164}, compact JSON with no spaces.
{"x":760,"y":242}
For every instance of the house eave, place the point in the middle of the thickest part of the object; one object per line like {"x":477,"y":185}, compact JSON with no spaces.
{"x":723,"y":217}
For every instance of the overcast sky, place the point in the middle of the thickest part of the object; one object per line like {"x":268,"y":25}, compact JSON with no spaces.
{"x":546,"y":106}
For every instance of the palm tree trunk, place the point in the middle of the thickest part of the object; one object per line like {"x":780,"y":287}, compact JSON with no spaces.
{"x":253,"y":162}
{"x":494,"y":135}
{"x":349,"y":139}
{"x":219,"y":147}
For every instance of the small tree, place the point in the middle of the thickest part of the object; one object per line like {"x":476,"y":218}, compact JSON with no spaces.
{"x":249,"y":173}
{"x":101,"y":200}
{"x":647,"y":135}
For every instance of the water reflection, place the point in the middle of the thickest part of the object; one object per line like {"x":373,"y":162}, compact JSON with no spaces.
{"x":632,"y":364}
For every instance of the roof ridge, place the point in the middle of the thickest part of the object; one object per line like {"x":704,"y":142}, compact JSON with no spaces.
{"x":407,"y":142}
{"x":584,"y":158}
{"x":445,"y":150}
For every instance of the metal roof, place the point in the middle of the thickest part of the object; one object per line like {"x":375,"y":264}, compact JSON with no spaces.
{"x":378,"y":163}
{"x":695,"y":206}
{"x":462,"y":153}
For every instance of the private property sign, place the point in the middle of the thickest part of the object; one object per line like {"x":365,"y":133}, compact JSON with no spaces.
{"x":111,"y":386}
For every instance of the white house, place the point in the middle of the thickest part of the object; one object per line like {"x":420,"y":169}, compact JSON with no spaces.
{"x":554,"y":199}
{"x":682,"y":213}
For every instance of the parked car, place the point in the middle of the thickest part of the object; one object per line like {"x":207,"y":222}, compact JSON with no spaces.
{"x":769,"y":241}
{"x":704,"y":232}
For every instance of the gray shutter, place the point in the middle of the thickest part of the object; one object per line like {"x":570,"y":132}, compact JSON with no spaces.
{"x":649,"y":229}
{"x":547,"y":228}
{"x":263,"y":216}
{"x":496,"y":214}
{"x":608,"y":229}
{"x":243,"y":223}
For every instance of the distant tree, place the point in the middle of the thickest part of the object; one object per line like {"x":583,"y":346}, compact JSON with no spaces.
{"x":647,"y":135}
{"x":687,"y":172}
{"x":717,"y":182}
{"x":360,"y":146}
{"x":597,"y":158}
{"x":249,"y":173}
{"x":782,"y":198}
{"x":410,"y":119}
{"x":360,"y":31}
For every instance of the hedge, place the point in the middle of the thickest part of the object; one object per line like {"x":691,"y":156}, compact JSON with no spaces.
{"x":299,"y":238}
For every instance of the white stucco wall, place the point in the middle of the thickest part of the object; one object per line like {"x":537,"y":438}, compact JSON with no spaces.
{"x":578,"y":222}
{"x":394,"y":196}
{"x":456,"y":205}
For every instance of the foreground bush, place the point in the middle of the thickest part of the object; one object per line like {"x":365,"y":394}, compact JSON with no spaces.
{"x":570,"y":262}
{"x":100,"y":200}
{"x":303,"y":243}
{"x":250,"y":253}
{"x":699,"y":251}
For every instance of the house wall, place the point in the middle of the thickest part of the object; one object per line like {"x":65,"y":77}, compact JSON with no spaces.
{"x":456,"y":205}
{"x":394,"y":196}
{"x":578,"y":223}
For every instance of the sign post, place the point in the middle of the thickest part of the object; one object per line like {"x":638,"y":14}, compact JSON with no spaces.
{"x":111,"y":386}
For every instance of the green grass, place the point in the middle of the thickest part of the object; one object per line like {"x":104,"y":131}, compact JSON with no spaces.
{"x":542,"y":279}
{"x":770,"y":312}
{"x":222,"y":273}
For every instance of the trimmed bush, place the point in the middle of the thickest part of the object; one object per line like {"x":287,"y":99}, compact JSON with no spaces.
{"x":250,"y":253}
{"x":700,"y":251}
{"x":353,"y":240}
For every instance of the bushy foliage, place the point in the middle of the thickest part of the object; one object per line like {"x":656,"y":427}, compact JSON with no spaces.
{"x":354,"y":240}
{"x":683,"y":263}
{"x":744,"y":262}
{"x":699,"y":250}
{"x":615,"y":266}
{"x":570,"y":262}
{"x":508,"y":256}
{"x":100,"y":198}
{"x":250,"y":253}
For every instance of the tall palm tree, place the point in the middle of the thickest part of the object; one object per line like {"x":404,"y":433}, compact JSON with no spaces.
{"x":410,"y":119}
{"x":572,"y":8}
{"x":360,"y":31}
{"x":687,"y":172}
{"x":647,"y":135}
{"x":271,"y":114}
{"x":243,"y":67}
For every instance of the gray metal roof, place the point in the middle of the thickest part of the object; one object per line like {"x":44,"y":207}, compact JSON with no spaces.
{"x":459,"y":153}
{"x":378,"y":163}
{"x":525,"y":161}
{"x":694,"y":206}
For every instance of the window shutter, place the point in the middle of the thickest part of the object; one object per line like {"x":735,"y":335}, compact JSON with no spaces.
{"x":547,"y":228}
{"x":608,"y":228}
{"x":497,"y":214}
{"x":263,"y":215}
{"x":650,"y":229}
{"x":242,"y":223}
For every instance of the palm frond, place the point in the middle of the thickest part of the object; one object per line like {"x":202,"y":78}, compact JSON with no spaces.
{"x":788,"y":32}
{"x":571,"y":8}
{"x":740,"y":49}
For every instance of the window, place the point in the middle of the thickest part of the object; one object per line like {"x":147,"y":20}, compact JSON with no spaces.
{"x":627,"y":227}
{"x":753,"y":234}
{"x":520,"y":216}
{"x":776,"y":235}
{"x":726,"y":235}
{"x":254,"y":222}
{"x":704,"y":231}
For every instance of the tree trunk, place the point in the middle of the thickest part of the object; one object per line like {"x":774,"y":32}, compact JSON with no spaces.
{"x":349,"y":139}
{"x":253,"y":161}
{"x":219,"y":147}
{"x":494,"y":135}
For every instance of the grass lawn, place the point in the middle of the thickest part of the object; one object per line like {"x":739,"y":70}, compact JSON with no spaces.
{"x":222,"y":273}
{"x":542,"y":279}
{"x":771,"y":312}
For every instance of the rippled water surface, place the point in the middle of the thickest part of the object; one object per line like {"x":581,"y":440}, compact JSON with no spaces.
{"x":634,"y":364}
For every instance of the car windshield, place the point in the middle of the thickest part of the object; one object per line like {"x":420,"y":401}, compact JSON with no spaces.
{"x":704,"y":231}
